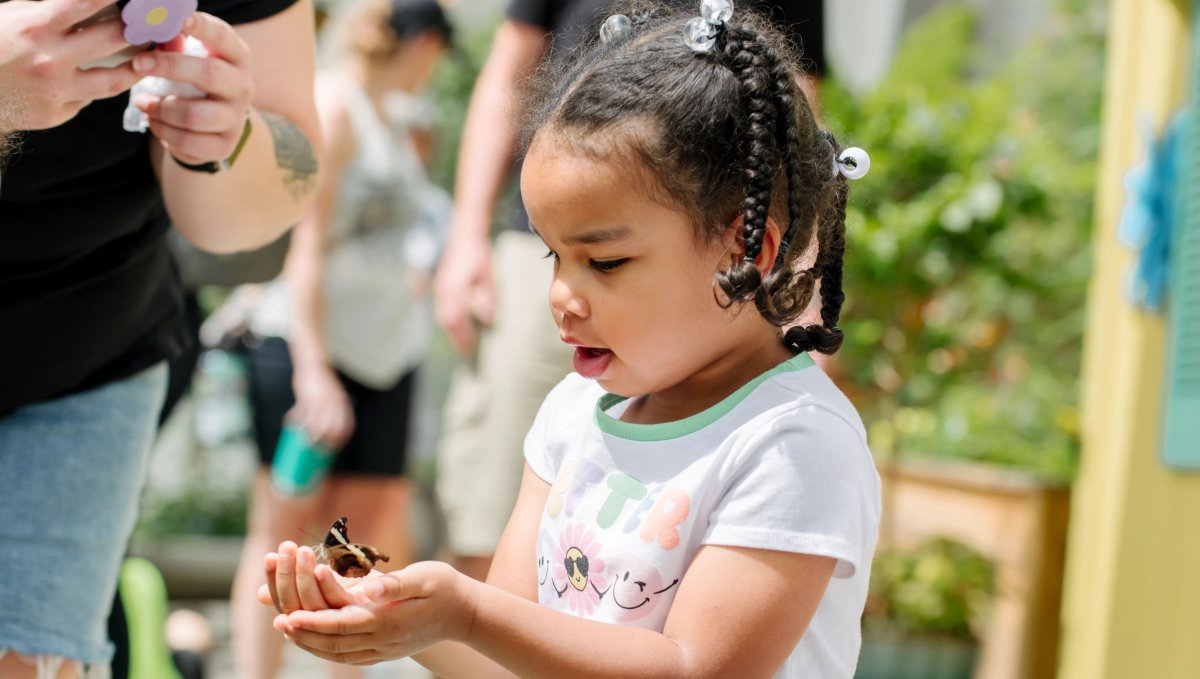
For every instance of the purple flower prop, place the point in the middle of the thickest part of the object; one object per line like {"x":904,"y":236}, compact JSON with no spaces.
{"x":155,"y":20}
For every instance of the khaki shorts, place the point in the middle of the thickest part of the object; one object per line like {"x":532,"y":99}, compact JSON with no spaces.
{"x":493,"y":400}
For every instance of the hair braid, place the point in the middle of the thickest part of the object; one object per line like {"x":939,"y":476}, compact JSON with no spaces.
{"x":750,"y":59}
{"x":830,"y":259}
{"x":786,"y":292}
{"x":831,"y":239}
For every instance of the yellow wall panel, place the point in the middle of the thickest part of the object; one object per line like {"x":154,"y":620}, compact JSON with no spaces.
{"x":1132,"y":596}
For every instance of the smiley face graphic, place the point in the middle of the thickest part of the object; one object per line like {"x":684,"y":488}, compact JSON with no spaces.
{"x":638,"y":587}
{"x":582,"y":572}
{"x":576,"y":565}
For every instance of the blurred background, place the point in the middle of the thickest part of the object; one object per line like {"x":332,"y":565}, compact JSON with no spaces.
{"x":1016,"y":341}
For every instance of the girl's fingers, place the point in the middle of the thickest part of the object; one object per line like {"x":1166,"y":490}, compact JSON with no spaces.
{"x":270,"y":562}
{"x":264,"y":595}
{"x":333,"y":592}
{"x":288,"y":599}
{"x":335,"y":629}
{"x":219,"y":38}
{"x":306,"y":585}
{"x":389,"y":587}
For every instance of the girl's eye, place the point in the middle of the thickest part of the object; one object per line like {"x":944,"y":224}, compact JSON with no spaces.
{"x":550,"y":254}
{"x":606,"y":264}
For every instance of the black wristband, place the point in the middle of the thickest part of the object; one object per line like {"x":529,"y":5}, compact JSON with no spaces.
{"x":214,"y":166}
{"x":211,"y":167}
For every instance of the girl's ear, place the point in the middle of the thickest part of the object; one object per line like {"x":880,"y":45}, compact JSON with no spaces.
{"x":735,"y":245}
{"x":770,"y":247}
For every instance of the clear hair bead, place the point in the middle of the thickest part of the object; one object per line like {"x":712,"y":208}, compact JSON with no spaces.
{"x":615,"y":28}
{"x":699,"y":35}
{"x":716,"y":12}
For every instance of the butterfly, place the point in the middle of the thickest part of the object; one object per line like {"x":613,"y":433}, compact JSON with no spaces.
{"x":344,"y":557}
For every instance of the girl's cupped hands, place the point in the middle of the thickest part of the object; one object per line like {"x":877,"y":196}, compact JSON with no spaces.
{"x":362,"y":621}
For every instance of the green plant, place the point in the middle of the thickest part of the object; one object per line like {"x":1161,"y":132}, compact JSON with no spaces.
{"x":968,"y":244}
{"x":941,"y":586}
{"x":451,"y":87}
{"x":194,"y":511}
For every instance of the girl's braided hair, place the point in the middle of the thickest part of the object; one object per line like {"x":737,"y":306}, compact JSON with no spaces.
{"x":718,"y":134}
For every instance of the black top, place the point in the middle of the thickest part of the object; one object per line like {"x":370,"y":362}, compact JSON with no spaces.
{"x":88,"y":291}
{"x":570,"y":22}
{"x":567,"y":21}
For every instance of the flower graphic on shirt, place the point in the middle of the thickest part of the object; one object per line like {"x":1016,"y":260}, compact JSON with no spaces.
{"x":579,"y":569}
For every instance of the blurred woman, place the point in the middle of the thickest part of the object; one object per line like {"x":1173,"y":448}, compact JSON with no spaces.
{"x":334,"y":343}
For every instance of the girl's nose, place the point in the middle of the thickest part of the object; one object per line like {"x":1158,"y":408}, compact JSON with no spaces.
{"x":565,"y":300}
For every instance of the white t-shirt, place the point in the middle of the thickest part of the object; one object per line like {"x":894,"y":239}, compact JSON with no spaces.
{"x":780,"y":464}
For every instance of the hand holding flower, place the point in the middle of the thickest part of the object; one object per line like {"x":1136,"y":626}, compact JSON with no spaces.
{"x":208,"y":128}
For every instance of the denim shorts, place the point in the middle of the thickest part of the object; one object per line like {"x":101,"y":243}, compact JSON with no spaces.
{"x":71,"y":471}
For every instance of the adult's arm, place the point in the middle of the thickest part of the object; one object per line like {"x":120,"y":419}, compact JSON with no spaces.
{"x":322,"y":407}
{"x":274,"y":180}
{"x":463,"y":286}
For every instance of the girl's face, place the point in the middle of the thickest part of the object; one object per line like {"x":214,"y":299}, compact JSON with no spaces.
{"x":633,"y":287}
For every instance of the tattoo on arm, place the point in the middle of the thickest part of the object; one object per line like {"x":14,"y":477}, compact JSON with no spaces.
{"x":294,"y":154}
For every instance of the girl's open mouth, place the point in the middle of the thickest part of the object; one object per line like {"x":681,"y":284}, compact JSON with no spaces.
{"x":591,"y":363}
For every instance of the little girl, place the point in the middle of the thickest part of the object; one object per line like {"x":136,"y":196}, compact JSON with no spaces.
{"x":699,"y":501}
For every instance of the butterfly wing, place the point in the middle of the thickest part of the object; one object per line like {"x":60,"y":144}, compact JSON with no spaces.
{"x":355,"y":561}
{"x":344,"y":557}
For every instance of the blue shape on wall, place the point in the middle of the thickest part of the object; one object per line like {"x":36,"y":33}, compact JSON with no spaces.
{"x":1148,"y":217}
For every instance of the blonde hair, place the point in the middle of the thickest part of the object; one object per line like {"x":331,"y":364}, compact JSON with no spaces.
{"x":359,"y":30}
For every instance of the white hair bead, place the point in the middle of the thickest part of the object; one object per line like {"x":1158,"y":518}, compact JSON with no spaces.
{"x":852,"y":163}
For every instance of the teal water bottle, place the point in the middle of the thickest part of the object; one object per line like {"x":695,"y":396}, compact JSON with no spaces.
{"x":300,"y":464}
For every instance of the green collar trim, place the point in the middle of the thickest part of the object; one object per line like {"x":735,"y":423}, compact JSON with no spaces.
{"x":671,"y":430}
